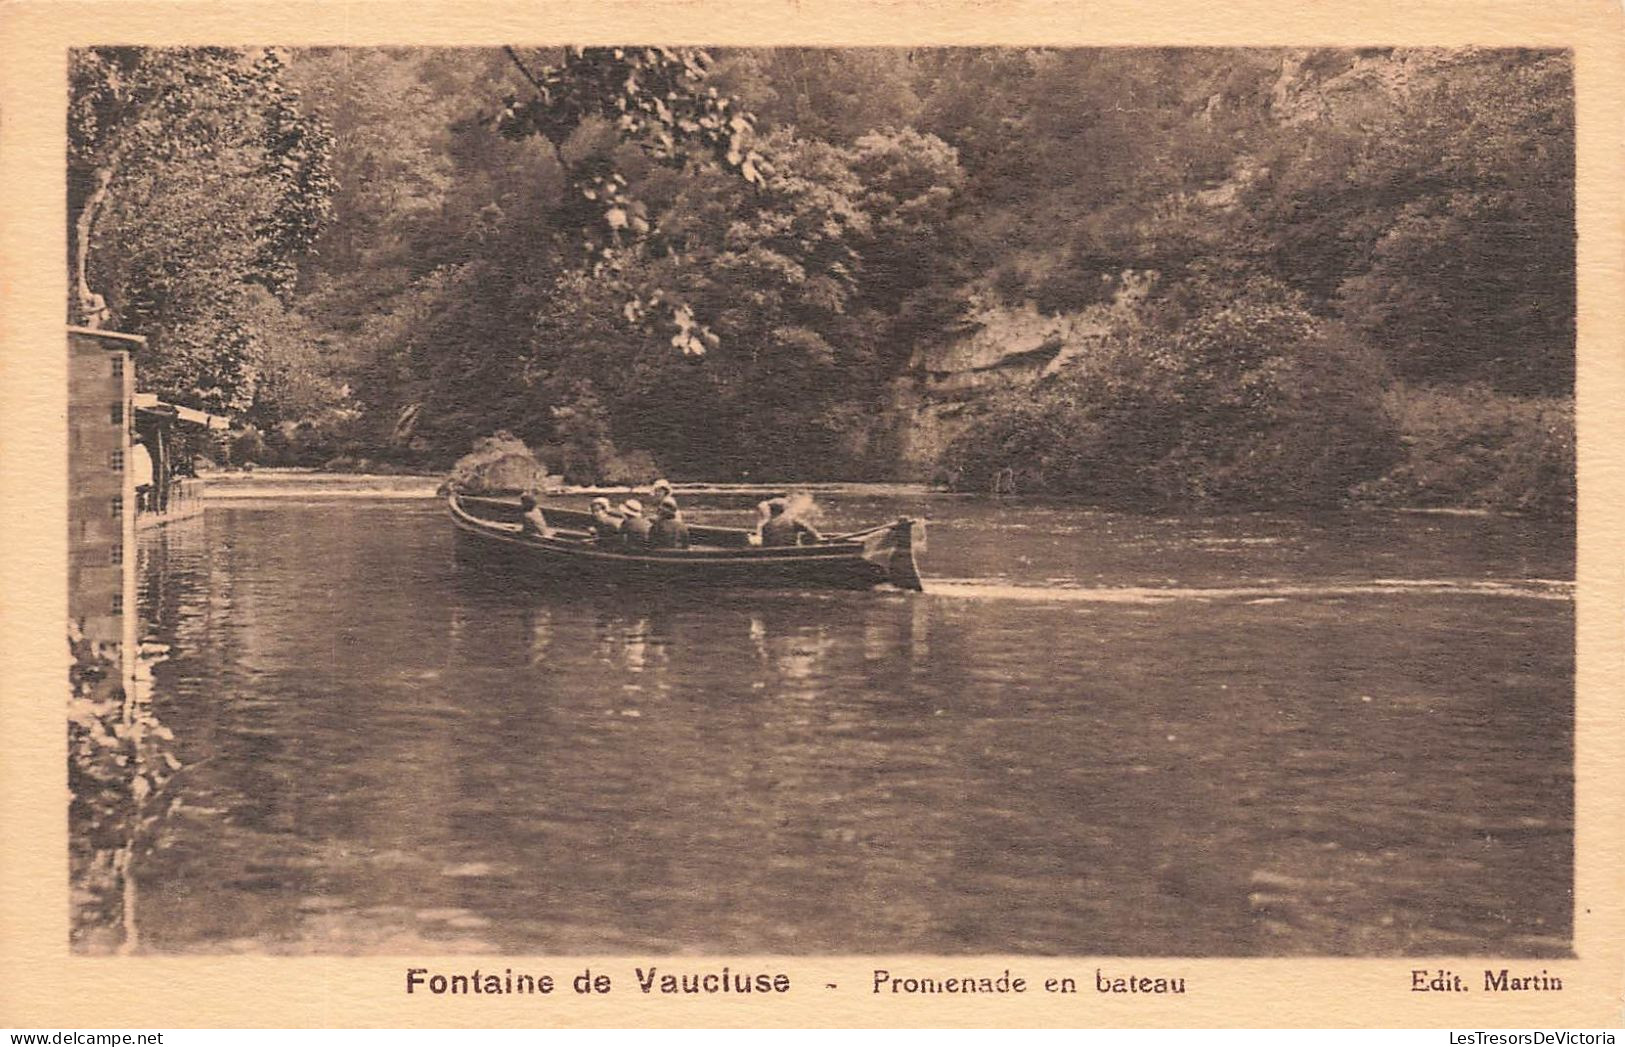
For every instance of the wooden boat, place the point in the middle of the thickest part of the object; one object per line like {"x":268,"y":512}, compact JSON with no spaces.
{"x":487,"y":533}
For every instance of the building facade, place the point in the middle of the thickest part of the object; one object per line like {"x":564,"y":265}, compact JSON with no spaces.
{"x":101,"y":496}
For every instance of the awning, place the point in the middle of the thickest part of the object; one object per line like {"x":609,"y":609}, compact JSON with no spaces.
{"x":148,"y":403}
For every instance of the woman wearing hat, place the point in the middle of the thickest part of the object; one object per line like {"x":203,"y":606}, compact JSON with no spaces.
{"x":606,"y":523}
{"x":670,"y":532}
{"x":635,"y":527}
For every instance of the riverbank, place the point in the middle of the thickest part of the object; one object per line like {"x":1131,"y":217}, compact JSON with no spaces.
{"x":301,"y":483}
{"x":304,"y":483}
{"x":224,"y":485}
{"x":1467,"y":447}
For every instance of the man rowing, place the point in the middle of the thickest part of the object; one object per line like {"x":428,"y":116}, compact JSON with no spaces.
{"x":783,"y":527}
{"x":531,"y":520}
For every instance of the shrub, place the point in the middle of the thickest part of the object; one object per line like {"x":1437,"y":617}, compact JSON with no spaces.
{"x":1473,"y":447}
{"x":632,"y":469}
{"x":1233,"y":398}
{"x":497,"y":463}
{"x":246,"y":446}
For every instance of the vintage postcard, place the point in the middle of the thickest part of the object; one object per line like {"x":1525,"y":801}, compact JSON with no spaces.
{"x":811,"y":514}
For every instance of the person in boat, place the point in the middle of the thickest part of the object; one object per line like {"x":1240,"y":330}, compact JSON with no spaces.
{"x":531,"y":520}
{"x":606,"y":522}
{"x":763,"y":511}
{"x":659,"y":491}
{"x":783,"y":528}
{"x":669,"y":531}
{"x":635,"y":527}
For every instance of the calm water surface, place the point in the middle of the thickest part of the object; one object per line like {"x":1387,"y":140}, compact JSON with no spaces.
{"x":1096,"y":734}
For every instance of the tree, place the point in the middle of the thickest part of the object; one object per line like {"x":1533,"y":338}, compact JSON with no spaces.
{"x":914,"y":250}
{"x":836,"y":95}
{"x":654,"y":98}
{"x":194,"y":177}
{"x":777,"y":270}
{"x":1417,"y":201}
{"x":1473,"y":276}
{"x":389,"y":156}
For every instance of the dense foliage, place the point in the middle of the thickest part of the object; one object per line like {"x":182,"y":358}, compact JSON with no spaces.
{"x":734,"y":264}
{"x":195,"y":185}
{"x":1469,"y":447}
{"x":1239,"y":396}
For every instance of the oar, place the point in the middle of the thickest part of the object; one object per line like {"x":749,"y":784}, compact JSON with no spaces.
{"x":848,"y":536}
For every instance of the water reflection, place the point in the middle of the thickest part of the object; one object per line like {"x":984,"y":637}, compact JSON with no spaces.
{"x":121,"y":769}
{"x":392,"y":754}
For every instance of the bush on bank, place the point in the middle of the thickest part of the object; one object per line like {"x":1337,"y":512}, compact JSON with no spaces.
{"x":1221,"y":397}
{"x":1472,"y":447}
{"x":497,"y":464}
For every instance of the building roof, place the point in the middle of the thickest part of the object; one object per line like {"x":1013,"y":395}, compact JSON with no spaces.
{"x":114,"y":336}
{"x":150,"y":404}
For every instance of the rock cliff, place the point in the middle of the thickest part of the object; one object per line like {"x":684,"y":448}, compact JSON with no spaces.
{"x":1001,"y":348}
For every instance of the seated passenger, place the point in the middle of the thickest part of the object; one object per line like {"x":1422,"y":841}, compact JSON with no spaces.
{"x":606,"y":523}
{"x":531,"y":520}
{"x":635,"y":527}
{"x":763,"y":511}
{"x":782,"y":528}
{"x":659,"y":491}
{"x":669,"y":532}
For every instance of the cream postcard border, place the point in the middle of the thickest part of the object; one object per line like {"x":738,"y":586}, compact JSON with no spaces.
{"x":43,"y":986}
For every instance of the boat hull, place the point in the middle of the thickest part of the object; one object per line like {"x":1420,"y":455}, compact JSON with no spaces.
{"x":487,"y":535}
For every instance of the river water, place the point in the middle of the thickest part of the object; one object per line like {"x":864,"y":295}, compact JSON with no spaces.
{"x":1095,"y":733}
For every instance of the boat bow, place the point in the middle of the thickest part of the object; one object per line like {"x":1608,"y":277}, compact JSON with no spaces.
{"x":892,"y":546}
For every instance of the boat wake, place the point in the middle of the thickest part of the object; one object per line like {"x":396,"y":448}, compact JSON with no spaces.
{"x":1263,"y":592}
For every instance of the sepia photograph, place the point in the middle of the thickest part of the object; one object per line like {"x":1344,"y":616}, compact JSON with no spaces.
{"x":799,"y":501}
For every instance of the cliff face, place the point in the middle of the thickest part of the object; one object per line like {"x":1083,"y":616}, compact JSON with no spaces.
{"x":1343,"y":85}
{"x":1002,"y":348}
